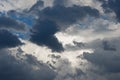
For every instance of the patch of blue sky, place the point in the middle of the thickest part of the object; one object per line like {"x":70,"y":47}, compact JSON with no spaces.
{"x":29,"y":20}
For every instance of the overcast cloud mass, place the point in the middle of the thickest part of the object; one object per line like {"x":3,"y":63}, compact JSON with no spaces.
{"x":59,"y":40}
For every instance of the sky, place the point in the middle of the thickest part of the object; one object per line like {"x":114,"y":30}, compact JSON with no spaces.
{"x":59,"y":40}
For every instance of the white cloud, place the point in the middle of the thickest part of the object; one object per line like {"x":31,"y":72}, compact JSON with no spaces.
{"x":89,"y":30}
{"x":91,"y":3}
{"x":6,"y":5}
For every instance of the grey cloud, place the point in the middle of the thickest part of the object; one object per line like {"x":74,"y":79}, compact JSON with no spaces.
{"x":65,"y":16}
{"x":106,"y":55}
{"x":43,"y":33}
{"x":60,"y":2}
{"x":108,"y":46}
{"x":8,"y":40}
{"x":9,"y":23}
{"x":62,"y":17}
{"x":67,"y":72}
{"x":53,"y":56}
{"x":76,"y":46}
{"x":36,"y":7}
{"x":23,"y":68}
{"x":79,"y":44}
{"x":112,"y":5}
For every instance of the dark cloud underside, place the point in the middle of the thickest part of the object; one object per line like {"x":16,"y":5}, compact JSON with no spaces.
{"x":68,"y":15}
{"x":43,"y":34}
{"x":23,"y":69}
{"x":7,"y":39}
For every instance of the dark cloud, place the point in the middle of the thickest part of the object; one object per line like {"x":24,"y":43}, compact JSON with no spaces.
{"x":57,"y":18}
{"x":43,"y":33}
{"x":9,"y":23}
{"x":23,"y":68}
{"x":112,"y":5}
{"x":7,"y":39}
{"x":68,"y":15}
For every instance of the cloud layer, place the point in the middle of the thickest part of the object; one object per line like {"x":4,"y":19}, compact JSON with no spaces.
{"x":63,"y":40}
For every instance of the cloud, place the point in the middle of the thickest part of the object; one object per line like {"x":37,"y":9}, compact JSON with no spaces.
{"x":112,"y":5}
{"x":88,"y":30}
{"x":6,"y":5}
{"x":66,"y":71}
{"x":60,"y":3}
{"x":7,"y":39}
{"x":23,"y":67}
{"x":65,"y":16}
{"x":86,"y":36}
{"x":43,"y":34}
{"x":57,"y":18}
{"x":106,"y":55}
{"x":9,"y":23}
{"x":91,"y":3}
{"x":37,"y":6}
